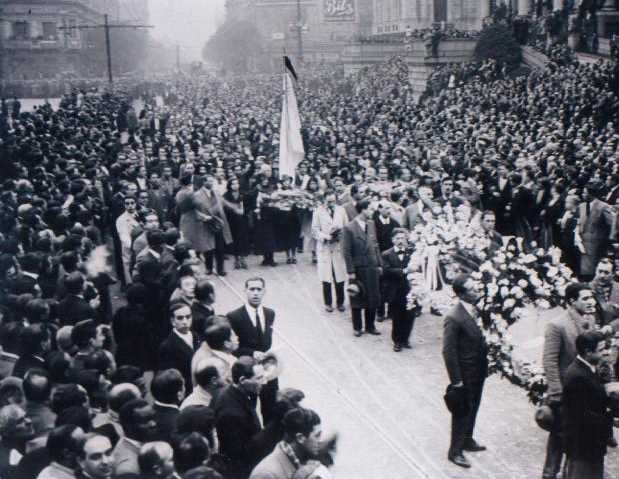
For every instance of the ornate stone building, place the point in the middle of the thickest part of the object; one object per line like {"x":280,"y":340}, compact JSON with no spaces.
{"x":327,"y":25}
{"x":392,"y":16}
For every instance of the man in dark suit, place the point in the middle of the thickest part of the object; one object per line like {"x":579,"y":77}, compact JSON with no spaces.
{"x":27,"y":281}
{"x":395,"y":288}
{"x":74,"y":308}
{"x":586,"y":421}
{"x":178,"y":349}
{"x":385,"y":225}
{"x":447,"y":194}
{"x":236,"y":421}
{"x":253,"y":325}
{"x":34,"y":344}
{"x":488,"y":223}
{"x":363,"y":265}
{"x":465,"y":355}
{"x":168,"y":390}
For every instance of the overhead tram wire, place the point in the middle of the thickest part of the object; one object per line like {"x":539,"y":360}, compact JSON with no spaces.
{"x":107,"y":26}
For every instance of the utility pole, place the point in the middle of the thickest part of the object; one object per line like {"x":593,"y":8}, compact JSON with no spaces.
{"x":108,"y":47}
{"x":299,"y":32}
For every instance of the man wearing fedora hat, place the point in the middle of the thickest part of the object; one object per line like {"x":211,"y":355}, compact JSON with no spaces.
{"x":363,"y":265}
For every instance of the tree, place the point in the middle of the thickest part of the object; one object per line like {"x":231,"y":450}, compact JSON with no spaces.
{"x":233,"y":45}
{"x":497,"y":42}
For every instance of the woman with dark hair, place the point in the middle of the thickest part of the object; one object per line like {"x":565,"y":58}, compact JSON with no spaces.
{"x":236,"y":205}
{"x":266,"y":215}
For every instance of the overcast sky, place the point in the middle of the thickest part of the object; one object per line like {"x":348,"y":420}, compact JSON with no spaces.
{"x":186,"y":22}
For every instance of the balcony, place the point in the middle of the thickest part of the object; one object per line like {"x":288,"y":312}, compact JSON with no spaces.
{"x":40,"y":44}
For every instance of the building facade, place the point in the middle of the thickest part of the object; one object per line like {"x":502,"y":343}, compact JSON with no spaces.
{"x":393,"y":16}
{"x":327,"y":25}
{"x":40,"y":39}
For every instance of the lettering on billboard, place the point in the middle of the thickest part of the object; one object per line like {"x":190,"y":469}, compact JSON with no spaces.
{"x":339,"y":10}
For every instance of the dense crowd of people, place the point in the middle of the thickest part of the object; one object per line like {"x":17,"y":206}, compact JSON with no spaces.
{"x":180,"y":178}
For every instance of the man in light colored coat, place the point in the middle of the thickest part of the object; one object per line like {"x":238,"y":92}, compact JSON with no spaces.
{"x":301,"y":445}
{"x":328,"y":221}
{"x":559,"y":353}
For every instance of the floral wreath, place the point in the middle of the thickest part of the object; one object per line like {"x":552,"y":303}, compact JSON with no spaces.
{"x":509,"y":279}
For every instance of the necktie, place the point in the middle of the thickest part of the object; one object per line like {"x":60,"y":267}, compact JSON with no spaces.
{"x":259,"y":331}
{"x":588,"y":209}
{"x":331,"y":212}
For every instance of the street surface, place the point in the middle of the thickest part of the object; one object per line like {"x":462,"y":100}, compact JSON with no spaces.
{"x":387,"y":407}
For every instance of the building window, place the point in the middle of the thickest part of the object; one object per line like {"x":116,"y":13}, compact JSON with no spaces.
{"x":21,"y":30}
{"x":49,"y":30}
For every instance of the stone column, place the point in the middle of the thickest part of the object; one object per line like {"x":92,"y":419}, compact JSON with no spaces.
{"x":484,"y":8}
{"x":523,"y":7}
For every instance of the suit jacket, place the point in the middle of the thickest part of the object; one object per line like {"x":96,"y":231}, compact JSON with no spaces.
{"x":464,"y":347}
{"x":174,"y":353}
{"x":126,"y":459}
{"x":24,"y":363}
{"x":165,"y":417}
{"x":362,"y":257}
{"x":74,"y":309}
{"x":238,"y":431}
{"x":383,"y":232}
{"x":244,"y":328}
{"x":275,"y":466}
{"x":394,"y":285}
{"x":586,"y":423}
{"x":560,"y":348}
{"x":42,"y":417}
{"x":351,"y":209}
{"x":23,"y":284}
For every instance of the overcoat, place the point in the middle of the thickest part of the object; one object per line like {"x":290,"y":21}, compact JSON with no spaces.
{"x":362,"y":257}
{"x":331,"y":264}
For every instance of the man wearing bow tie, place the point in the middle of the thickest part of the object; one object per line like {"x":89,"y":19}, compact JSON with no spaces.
{"x":395,"y":288}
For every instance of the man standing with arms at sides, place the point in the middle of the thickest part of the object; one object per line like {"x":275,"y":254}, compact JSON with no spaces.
{"x":559,"y":353}
{"x":395,"y":288}
{"x":465,"y":355}
{"x":253,"y":325}
{"x":328,"y":221}
{"x":586,"y":421}
{"x":126,"y":224}
{"x":363,"y":264}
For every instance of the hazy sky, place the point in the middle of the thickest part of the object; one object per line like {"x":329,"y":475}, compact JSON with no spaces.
{"x":186,"y":22}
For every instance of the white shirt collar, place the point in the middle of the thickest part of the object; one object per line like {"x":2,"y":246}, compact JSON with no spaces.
{"x":163,"y":404}
{"x":32,"y":275}
{"x":154,"y":253}
{"x":384,"y":221}
{"x":587,"y":363}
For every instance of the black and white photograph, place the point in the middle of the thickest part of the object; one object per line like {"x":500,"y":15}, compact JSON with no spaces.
{"x":309,"y":239}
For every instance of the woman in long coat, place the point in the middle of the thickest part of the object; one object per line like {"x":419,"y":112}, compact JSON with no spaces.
{"x":237,"y":207}
{"x":189,"y":224}
{"x":328,"y":221}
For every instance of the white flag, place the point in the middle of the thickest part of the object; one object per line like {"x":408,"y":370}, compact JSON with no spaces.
{"x":291,"y":151}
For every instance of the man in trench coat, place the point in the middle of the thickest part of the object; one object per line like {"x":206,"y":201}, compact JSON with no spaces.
{"x":328,"y":221}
